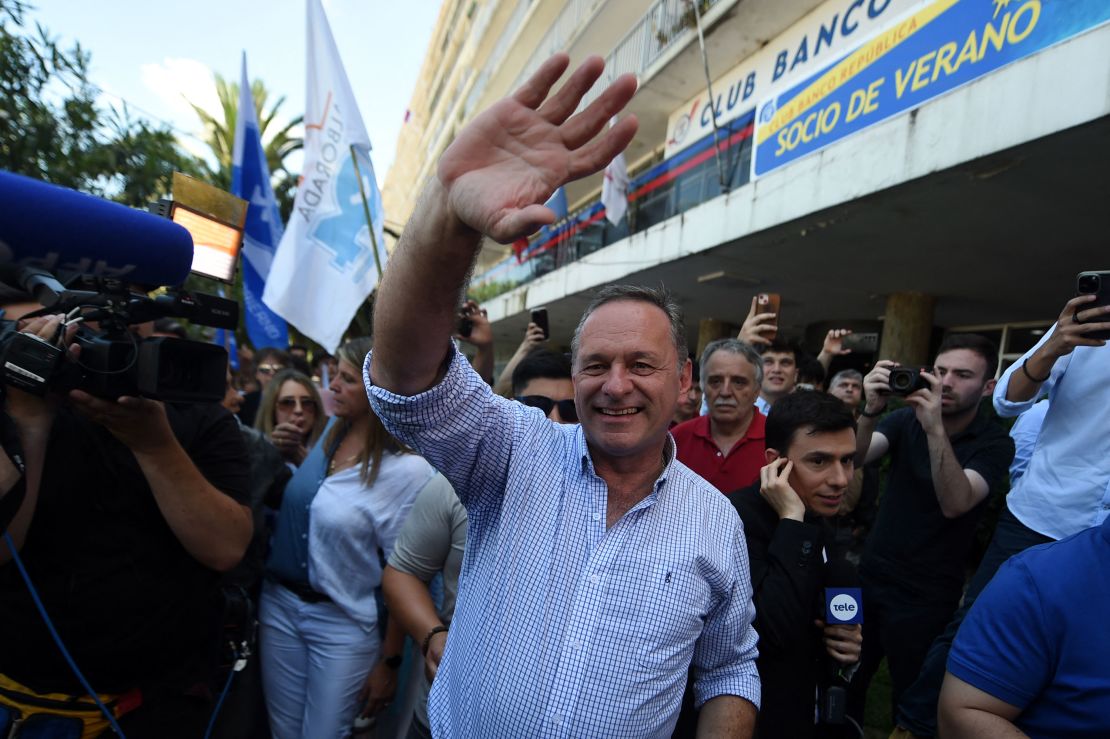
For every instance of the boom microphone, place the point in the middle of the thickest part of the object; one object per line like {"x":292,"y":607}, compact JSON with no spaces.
{"x":56,"y":229}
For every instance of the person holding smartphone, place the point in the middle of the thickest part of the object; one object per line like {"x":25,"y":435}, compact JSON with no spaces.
{"x":1064,"y":487}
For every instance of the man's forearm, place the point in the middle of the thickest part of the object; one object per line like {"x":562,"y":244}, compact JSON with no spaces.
{"x":504,"y":386}
{"x":1039,"y":364}
{"x":483,"y":362}
{"x":416,"y":307}
{"x":953,"y":488}
{"x":410,"y":603}
{"x":212,"y":527}
{"x":726,"y":717}
{"x":865,"y":429}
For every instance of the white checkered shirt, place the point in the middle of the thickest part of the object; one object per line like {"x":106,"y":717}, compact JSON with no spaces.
{"x":564,"y":628}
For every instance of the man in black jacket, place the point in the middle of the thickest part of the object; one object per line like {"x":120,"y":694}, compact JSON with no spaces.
{"x":810,"y":447}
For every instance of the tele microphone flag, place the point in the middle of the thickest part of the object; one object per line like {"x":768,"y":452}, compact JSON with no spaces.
{"x":250,"y":180}
{"x":329,"y":259}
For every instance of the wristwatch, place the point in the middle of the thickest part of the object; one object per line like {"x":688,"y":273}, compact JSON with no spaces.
{"x":393,"y":662}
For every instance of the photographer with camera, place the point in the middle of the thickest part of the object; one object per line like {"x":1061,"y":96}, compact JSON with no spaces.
{"x":1064,"y":489}
{"x":946,"y":455}
{"x":130,"y":510}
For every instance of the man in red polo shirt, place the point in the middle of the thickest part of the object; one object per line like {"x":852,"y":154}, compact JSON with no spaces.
{"x":726,"y":446}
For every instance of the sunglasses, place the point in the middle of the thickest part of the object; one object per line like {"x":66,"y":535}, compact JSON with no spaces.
{"x":567,"y":411}
{"x":269,"y":369}
{"x":288,"y":404}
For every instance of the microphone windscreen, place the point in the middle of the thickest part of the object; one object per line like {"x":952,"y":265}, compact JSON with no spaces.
{"x":843,"y":595}
{"x":61,"y":230}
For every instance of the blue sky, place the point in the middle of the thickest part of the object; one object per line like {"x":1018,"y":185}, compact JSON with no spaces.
{"x":150,"y":53}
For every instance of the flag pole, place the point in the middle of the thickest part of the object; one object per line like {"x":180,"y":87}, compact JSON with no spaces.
{"x":366,"y":211}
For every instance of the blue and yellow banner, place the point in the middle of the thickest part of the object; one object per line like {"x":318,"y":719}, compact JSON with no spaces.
{"x":932,"y":50}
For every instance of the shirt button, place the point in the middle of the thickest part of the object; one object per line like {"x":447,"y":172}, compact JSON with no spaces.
{"x":595,"y":578}
{"x":557,"y":720}
{"x":304,"y":536}
{"x":718,"y":454}
{"x":597,"y":516}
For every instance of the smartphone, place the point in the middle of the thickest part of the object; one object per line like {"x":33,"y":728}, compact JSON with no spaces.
{"x":1098,"y":284}
{"x":539,"y":317}
{"x":769,"y":303}
{"x":866,"y":343}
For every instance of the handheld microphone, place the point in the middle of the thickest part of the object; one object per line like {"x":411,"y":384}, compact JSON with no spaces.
{"x":843,"y":605}
{"x":843,"y":595}
{"x":56,"y":229}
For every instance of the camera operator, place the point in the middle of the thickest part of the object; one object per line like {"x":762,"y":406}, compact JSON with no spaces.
{"x":131,"y":509}
{"x":946,"y":454}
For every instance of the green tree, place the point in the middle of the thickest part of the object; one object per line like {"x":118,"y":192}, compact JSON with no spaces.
{"x":51,"y":127}
{"x":220,"y":137}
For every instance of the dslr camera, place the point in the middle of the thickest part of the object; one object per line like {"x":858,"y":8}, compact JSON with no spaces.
{"x":113,"y":360}
{"x":907,"y":380}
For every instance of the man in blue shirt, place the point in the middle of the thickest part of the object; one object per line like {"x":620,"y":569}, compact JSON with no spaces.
{"x":598,"y":568}
{"x":1066,"y":485}
{"x":1030,"y":659}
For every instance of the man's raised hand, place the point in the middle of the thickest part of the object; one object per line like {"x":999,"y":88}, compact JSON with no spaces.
{"x":508,"y":161}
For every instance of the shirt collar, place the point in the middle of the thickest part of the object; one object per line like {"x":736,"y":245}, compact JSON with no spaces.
{"x":582,"y":452}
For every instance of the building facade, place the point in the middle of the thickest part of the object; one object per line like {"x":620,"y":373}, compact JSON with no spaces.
{"x":902,"y":167}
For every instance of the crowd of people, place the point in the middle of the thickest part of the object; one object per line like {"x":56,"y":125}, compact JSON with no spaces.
{"x":617,"y":541}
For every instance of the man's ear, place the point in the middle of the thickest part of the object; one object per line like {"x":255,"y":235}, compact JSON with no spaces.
{"x":685,"y":377}
{"x":770,"y":455}
{"x":988,"y":389}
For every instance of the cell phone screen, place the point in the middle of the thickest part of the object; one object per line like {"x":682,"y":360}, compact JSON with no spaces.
{"x":539,"y":317}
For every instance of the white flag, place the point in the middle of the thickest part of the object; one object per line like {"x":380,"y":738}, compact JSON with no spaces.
{"x":614,"y":190}
{"x":325,"y":266}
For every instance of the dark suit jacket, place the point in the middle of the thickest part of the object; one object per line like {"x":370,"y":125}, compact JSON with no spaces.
{"x":788,"y":580}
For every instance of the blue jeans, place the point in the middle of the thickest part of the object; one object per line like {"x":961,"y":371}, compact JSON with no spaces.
{"x":315,"y":659}
{"x":917,"y":706}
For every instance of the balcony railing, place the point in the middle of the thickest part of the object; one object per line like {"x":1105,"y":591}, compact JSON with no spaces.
{"x":666,"y":24}
{"x":662,"y":190}
{"x":572,"y":19}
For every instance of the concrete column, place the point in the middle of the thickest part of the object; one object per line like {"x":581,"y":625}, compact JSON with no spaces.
{"x":710,"y":329}
{"x":907,"y":328}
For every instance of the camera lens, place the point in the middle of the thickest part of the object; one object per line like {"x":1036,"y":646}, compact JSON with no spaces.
{"x":1089,"y":284}
{"x":900,"y":380}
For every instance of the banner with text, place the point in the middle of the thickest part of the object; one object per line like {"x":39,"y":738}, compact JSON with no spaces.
{"x":821,"y":36}
{"x":931,"y":50}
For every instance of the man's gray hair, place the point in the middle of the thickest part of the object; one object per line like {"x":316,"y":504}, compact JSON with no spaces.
{"x":733,"y":346}
{"x":660,"y":298}
{"x":848,"y":374}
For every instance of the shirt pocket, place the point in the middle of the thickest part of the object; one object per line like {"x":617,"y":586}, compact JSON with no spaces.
{"x":658,"y":610}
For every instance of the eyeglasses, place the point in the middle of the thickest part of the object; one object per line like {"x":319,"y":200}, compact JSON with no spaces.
{"x":567,"y":411}
{"x":269,"y":369}
{"x":288,"y":404}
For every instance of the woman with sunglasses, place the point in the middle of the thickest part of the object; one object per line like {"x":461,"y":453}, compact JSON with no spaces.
{"x":290,"y":415}
{"x":325,"y":653}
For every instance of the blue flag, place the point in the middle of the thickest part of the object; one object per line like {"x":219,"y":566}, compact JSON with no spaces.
{"x":250,"y":180}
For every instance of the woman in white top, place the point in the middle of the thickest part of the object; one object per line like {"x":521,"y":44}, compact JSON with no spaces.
{"x":323,"y":661}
